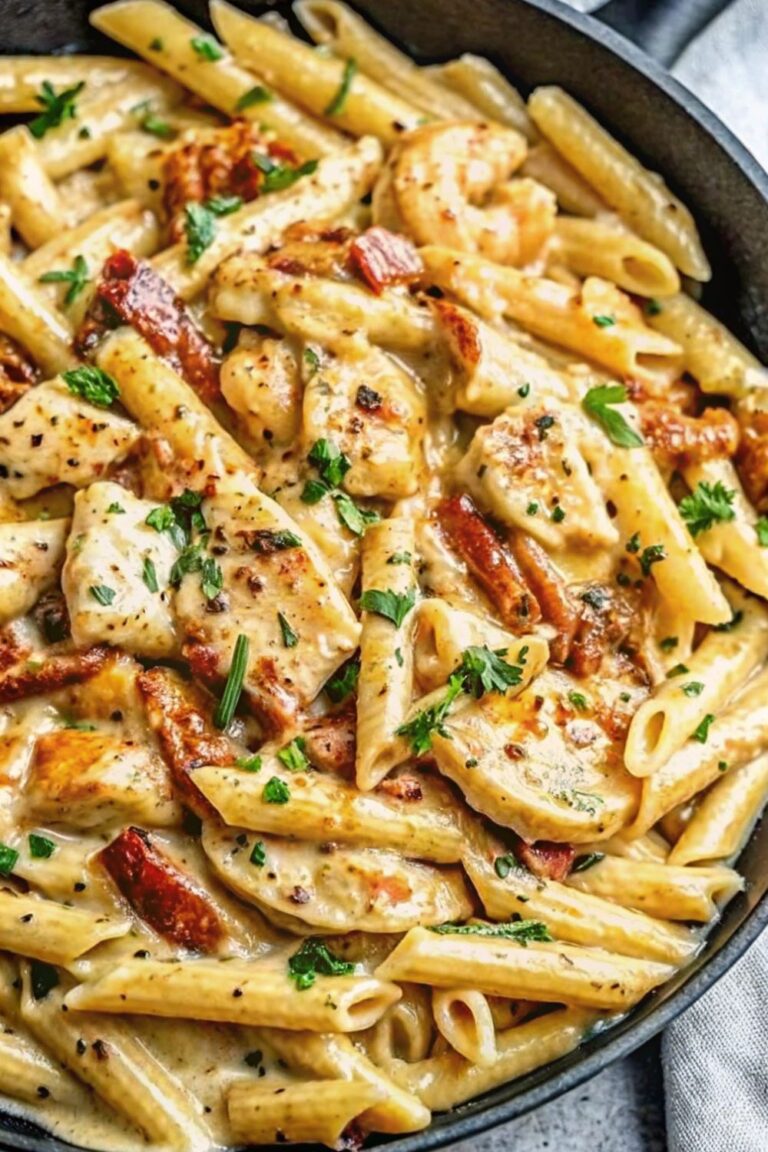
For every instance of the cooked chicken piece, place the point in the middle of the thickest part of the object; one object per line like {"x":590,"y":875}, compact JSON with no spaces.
{"x":361,"y":401}
{"x":51,"y":436}
{"x":677,"y":440}
{"x":31,"y":553}
{"x":277,"y":592}
{"x":261,"y":381}
{"x":333,"y":887}
{"x":88,"y":779}
{"x":526,"y":468}
{"x":50,"y":674}
{"x":117,"y":571}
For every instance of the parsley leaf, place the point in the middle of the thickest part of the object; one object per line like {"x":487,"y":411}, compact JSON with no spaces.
{"x":604,"y":321}
{"x":421,"y":727}
{"x":156,"y":126}
{"x":149,"y":575}
{"x":761,"y":528}
{"x":290,"y":638}
{"x":579,"y":701}
{"x":256,"y":95}
{"x":503,"y":865}
{"x":8,"y":859}
{"x":651,"y":555}
{"x":400,"y":558}
{"x":520,"y":930}
{"x":484,"y":671}
{"x":331,"y":464}
{"x":249,"y":763}
{"x":102,"y":594}
{"x":92,"y":384}
{"x":708,"y":504}
{"x":692,"y":688}
{"x":56,"y":108}
{"x":702,"y":731}
{"x":668,"y":643}
{"x":343,"y":683}
{"x":678,"y":670}
{"x":313,"y":959}
{"x":200,"y":222}
{"x":275,"y":791}
{"x":280,"y":176}
{"x":598,"y":403}
{"x":391,"y":605}
{"x":76,"y":276}
{"x":352,"y":516}
{"x":40,"y":847}
{"x":652,"y":307}
{"x":211,"y":578}
{"x":258,"y":854}
{"x":207,"y":48}
{"x":312,"y":361}
{"x":336,"y":104}
{"x":189,"y":560}
{"x":580,"y":801}
{"x":116,"y":509}
{"x":582,"y":863}
{"x":294,"y":755}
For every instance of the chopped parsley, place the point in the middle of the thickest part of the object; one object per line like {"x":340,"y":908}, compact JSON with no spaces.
{"x":668,"y":643}
{"x":633,"y":544}
{"x":258,"y":855}
{"x":557,"y":514}
{"x":332,"y":466}
{"x":77,"y":277}
{"x":225,"y":709}
{"x":579,"y":701}
{"x":280,"y":176}
{"x":92,"y":384}
{"x":116,"y":509}
{"x":480,"y":671}
{"x":211,"y":578}
{"x":207,"y":48}
{"x":264,"y":541}
{"x":352,"y":516}
{"x":343,"y":683}
{"x":249,"y":763}
{"x":314,"y":959}
{"x":523,"y":391}
{"x":702,"y":732}
{"x":599,"y":404}
{"x":582,"y":863}
{"x":522,"y":931}
{"x":149,"y":575}
{"x":722,"y":765}
{"x":8,"y":859}
{"x":400,"y":558}
{"x":293,"y":756}
{"x":391,"y":605}
{"x":56,"y":108}
{"x":290,"y":638}
{"x":707,"y":505}
{"x":336,"y":106}
{"x":190,"y":559}
{"x":761,"y":528}
{"x":200,"y":223}
{"x":503,"y":865}
{"x":156,"y":126}
{"x":275,"y":791}
{"x":156,"y":45}
{"x":256,"y":95}
{"x":40,"y":847}
{"x":580,"y":801}
{"x":692,"y":688}
{"x":651,"y":555}
{"x":543,"y":425}
{"x":604,"y":321}
{"x":102,"y":594}
{"x":532,"y":508}
{"x":652,"y":307}
{"x":312,"y":361}
{"x":678,"y":670}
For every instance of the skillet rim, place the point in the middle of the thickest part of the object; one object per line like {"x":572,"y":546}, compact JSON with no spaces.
{"x":568,"y":1072}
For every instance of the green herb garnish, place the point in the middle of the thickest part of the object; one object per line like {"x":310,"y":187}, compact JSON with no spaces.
{"x":707,"y":505}
{"x":599,"y":404}
{"x":225,"y":709}
{"x":56,"y":108}
{"x":76,"y":276}
{"x":275,"y":791}
{"x":102,"y":594}
{"x":290,"y":638}
{"x":294,"y":755}
{"x":92,"y":384}
{"x":336,"y":105}
{"x":313,"y":959}
{"x":40,"y":847}
{"x":393,"y":606}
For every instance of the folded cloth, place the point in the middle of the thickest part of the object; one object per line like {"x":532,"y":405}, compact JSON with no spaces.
{"x":715,"y":1059}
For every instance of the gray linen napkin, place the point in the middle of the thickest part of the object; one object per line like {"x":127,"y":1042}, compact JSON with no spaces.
{"x":715,"y":1056}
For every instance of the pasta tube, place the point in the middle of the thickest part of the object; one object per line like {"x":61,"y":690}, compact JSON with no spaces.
{"x":236,"y":992}
{"x":725,"y":816}
{"x":662,"y":890}
{"x":37,"y":211}
{"x":314,"y":80}
{"x":464,"y":1019}
{"x":45,"y":930}
{"x":481,"y":83}
{"x":639,"y":196}
{"x":501,"y":967}
{"x":591,"y":248}
{"x":720,"y":666}
{"x":385,"y":682}
{"x":732,"y":545}
{"x":736,"y":737}
{"x":213,"y":74}
{"x":30,"y":319}
{"x":318,"y":1111}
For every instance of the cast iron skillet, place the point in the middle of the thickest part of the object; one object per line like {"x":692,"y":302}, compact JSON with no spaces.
{"x":542,"y":42}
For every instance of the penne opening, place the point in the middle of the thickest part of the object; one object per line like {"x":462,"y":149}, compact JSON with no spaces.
{"x":368,"y":1009}
{"x":645,"y":750}
{"x":324,"y":25}
{"x":645,"y":276}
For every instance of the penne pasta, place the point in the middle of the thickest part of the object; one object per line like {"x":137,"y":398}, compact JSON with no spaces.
{"x":464,"y":1019}
{"x":724,"y":817}
{"x":550,"y":972}
{"x":318,"y":1111}
{"x":314,"y":80}
{"x":213,"y":75}
{"x":639,"y":196}
{"x":720,"y":666}
{"x":35,"y":206}
{"x":591,"y":248}
{"x":46,"y":930}
{"x":662,"y":890}
{"x":486,"y":89}
{"x":731,"y":545}
{"x":28,"y":318}
{"x":385,"y":683}
{"x":545,"y":164}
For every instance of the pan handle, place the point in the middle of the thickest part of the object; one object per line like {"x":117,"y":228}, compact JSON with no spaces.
{"x":662,"y":28}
